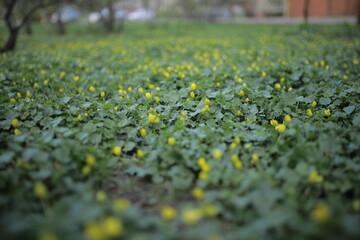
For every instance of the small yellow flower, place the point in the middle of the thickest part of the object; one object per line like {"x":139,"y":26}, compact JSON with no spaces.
{"x":152,"y":118}
{"x":117,"y":150}
{"x":12,"y":101}
{"x":290,"y":89}
{"x":321,"y":213}
{"x":102,"y":94}
{"x":287,"y":118}
{"x":140,"y":90}
{"x":232,"y":146}
{"x":17,"y":131}
{"x":61,"y":90}
{"x":100,"y":196}
{"x":209,"y":210}
{"x":93,"y":231}
{"x":15,"y":123}
{"x":130,"y":89}
{"x":121,"y":204}
{"x":140,"y":153}
{"x":281,"y":128}
{"x":237,"y":140}
{"x":92,"y":89}
{"x":28,"y":93}
{"x":241,"y":93}
{"x":148,"y":95}
{"x":46,"y":82}
{"x":168,"y":213}
{"x":217,"y":153}
{"x":90,"y":160}
{"x":40,"y":190}
{"x":314,"y":103}
{"x":112,"y":227}
{"x":309,"y":112}
{"x":327,"y":112}
{"x":207,"y":101}
{"x":171,"y":141}
{"x":247,"y":99}
{"x":263,"y":74}
{"x":193,"y":86}
{"x":143,"y":132}
{"x":204,"y":175}
{"x":236,"y":161}
{"x":18,"y":94}
{"x":198,"y":193}
{"x":36,"y":85}
{"x":76,"y":78}
{"x":274,"y":123}
{"x":248,"y":146}
{"x":277,"y":85}
{"x":205,"y":109}
{"x":157,"y":99}
{"x":79,"y":117}
{"x":314,"y":177}
{"x":86,"y":170}
{"x":254,"y":158}
{"x":356,"y":205}
{"x":192,"y":94}
{"x":191,"y":216}
{"x":183,"y":113}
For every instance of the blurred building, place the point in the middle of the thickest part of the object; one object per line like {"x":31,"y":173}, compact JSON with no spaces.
{"x":322,"y":8}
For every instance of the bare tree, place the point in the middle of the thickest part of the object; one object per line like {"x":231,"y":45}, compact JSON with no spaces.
{"x":306,"y":10}
{"x":13,"y":24}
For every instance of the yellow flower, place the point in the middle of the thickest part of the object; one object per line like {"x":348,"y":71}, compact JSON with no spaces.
{"x":40,"y":190}
{"x":152,"y":118}
{"x":356,"y":205}
{"x":309,"y":112}
{"x":143,"y":132}
{"x":148,"y":95}
{"x":17,"y":131}
{"x":18,"y":95}
{"x":203,"y":175}
{"x":86,"y":170}
{"x":140,"y":153}
{"x":237,"y":140}
{"x":15,"y":123}
{"x":209,"y":210}
{"x":47,"y":236}
{"x":248,"y":146}
{"x":290,"y":89}
{"x":102,"y":94}
{"x":76,"y":78}
{"x":232,"y":146}
{"x":121,"y":204}
{"x":327,"y":112}
{"x":198,"y":193}
{"x":241,"y":93}
{"x":287,"y":118}
{"x":61,"y":90}
{"x":274,"y":123}
{"x":183,"y":113}
{"x":254,"y":158}
{"x":217,"y":153}
{"x":12,"y":100}
{"x":236,"y":161}
{"x":168,"y":213}
{"x":28,"y":93}
{"x":193,"y":86}
{"x":192,"y":215}
{"x":171,"y":141}
{"x":112,"y":227}
{"x":36,"y":85}
{"x":130,"y":89}
{"x":90,"y":160}
{"x":46,"y":82}
{"x":277,"y":85}
{"x":314,"y":177}
{"x":140,"y":90}
{"x":92,"y":89}
{"x":281,"y":128}
{"x":79,"y":117}
{"x":157,"y":99}
{"x":100,"y":196}
{"x":263,"y":74}
{"x":247,"y":99}
{"x":192,"y":94}
{"x":117,"y":150}
{"x":321,"y":213}
{"x":205,"y":109}
{"x":313,"y":104}
{"x":207,"y":101}
{"x":93,"y":231}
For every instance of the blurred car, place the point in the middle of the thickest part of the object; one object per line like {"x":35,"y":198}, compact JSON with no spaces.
{"x":67,"y":14}
{"x":104,"y":13}
{"x":141,"y":14}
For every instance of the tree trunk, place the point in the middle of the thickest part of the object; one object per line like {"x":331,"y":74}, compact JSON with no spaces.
{"x":11,"y":41}
{"x":306,"y":10}
{"x":60,"y":24}
{"x":28,"y":28}
{"x":109,"y":21}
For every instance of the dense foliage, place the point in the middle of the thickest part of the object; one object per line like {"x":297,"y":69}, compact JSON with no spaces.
{"x":182,"y":132}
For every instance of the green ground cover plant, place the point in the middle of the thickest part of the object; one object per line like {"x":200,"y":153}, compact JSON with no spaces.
{"x":182,"y":131}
